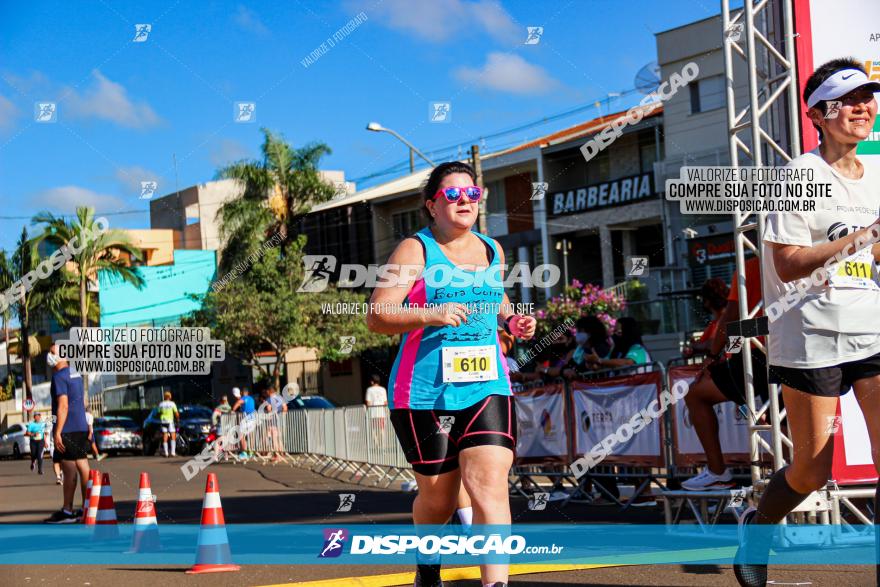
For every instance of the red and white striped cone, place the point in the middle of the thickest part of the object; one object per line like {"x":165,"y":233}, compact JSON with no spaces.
{"x":146,"y":529}
{"x":88,"y":501}
{"x":213,"y":554}
{"x":94,"y":492}
{"x":105,"y":517}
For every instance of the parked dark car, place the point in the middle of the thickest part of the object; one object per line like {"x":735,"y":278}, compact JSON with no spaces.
{"x":117,"y":434}
{"x":311,"y":402}
{"x":192,"y":430}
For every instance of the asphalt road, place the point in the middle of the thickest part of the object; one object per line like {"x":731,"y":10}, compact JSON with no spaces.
{"x":286,"y":494}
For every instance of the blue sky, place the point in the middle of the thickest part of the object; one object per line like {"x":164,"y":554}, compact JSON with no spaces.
{"x":125,"y":108}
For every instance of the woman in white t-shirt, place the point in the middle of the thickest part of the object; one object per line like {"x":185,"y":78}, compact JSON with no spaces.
{"x":822,"y":297}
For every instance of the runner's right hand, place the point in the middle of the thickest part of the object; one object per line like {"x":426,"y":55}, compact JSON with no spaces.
{"x":451,"y":314}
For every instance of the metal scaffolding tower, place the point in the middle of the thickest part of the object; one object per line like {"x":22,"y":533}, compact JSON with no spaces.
{"x":765,"y":130}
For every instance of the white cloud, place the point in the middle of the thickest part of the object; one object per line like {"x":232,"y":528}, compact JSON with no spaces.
{"x":66,"y":199}
{"x":226,"y":151}
{"x":8,"y":113}
{"x":130,"y":179}
{"x":506,"y":72}
{"x":249,"y":21}
{"x":34,"y":83}
{"x":107,"y":100}
{"x":444,"y":20}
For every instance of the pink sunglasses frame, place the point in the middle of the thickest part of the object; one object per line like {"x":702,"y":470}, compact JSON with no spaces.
{"x":461,"y":194}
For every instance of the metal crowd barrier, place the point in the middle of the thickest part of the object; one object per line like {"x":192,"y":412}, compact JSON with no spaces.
{"x":357,"y":443}
{"x":347,"y":443}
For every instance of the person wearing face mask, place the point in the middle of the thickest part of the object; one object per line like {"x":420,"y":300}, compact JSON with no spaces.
{"x":591,"y":339}
{"x":557,"y":355}
{"x":628,"y":348}
{"x":71,"y":435}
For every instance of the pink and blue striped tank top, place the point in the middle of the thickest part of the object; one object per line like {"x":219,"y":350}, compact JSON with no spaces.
{"x":416,"y":380}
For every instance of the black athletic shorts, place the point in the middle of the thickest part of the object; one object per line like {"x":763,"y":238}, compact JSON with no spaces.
{"x":76,"y":446}
{"x":826,"y":381}
{"x":432,"y":442}
{"x":729,"y":379}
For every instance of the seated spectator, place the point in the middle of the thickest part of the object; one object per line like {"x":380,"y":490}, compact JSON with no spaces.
{"x":591,"y":339}
{"x":628,"y":347}
{"x":553,"y":359}
{"x":722,"y":379}
{"x":714,"y":295}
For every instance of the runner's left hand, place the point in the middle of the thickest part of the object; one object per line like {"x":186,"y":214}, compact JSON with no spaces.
{"x":523,"y":327}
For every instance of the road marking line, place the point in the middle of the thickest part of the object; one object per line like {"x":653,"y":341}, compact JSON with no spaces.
{"x":456,"y":574}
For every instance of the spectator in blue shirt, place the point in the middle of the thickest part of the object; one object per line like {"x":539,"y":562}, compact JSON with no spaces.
{"x":36,"y":430}
{"x":71,"y":431}
{"x":246,"y":406}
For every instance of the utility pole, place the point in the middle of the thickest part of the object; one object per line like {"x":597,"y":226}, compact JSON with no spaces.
{"x":412,"y":162}
{"x":478,"y":169}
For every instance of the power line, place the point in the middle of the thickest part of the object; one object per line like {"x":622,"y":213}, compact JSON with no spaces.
{"x":451,"y":150}
{"x":74,"y":215}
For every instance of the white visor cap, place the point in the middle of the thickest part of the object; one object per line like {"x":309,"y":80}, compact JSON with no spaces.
{"x":841,"y":83}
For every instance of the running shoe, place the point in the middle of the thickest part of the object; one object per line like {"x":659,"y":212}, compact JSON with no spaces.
{"x":79,"y":514}
{"x":61,"y":517}
{"x":751,"y":548}
{"x":428,"y":576}
{"x":706,"y":479}
{"x":33,"y":465}
{"x":58,"y":480}
{"x":102,"y":456}
{"x":242,"y":455}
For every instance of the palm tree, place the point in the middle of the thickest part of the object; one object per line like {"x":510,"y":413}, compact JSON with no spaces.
{"x":278,"y":190}
{"x":24,"y":260}
{"x":6,"y":281}
{"x":98,"y":250}
{"x":95,"y":250}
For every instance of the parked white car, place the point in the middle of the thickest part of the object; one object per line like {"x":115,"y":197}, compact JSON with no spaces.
{"x":13,"y":442}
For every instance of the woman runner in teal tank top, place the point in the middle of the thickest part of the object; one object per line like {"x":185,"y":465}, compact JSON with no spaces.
{"x":449,"y":390}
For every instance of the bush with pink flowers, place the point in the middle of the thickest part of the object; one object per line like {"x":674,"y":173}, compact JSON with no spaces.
{"x":580,"y":300}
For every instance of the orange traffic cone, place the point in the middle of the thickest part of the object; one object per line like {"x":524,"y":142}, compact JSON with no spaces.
{"x":88,"y":500}
{"x":94,"y":492}
{"x":213,"y":555}
{"x":105,"y":516}
{"x":146,"y":530}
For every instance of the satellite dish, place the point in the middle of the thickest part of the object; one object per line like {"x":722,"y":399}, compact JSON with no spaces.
{"x":648,"y":78}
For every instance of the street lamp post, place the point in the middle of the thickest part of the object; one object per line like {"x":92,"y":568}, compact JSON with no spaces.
{"x":564,"y":245}
{"x":376,"y":127}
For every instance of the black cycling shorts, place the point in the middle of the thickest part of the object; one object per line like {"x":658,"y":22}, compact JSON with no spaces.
{"x":432,"y":441}
{"x":76,"y":447}
{"x":831,"y":381}
{"x":729,"y":379}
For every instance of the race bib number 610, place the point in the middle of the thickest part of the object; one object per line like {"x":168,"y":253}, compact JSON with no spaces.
{"x":469,"y":363}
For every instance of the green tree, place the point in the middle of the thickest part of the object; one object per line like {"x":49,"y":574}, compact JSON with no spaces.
{"x":92,"y":248}
{"x":6,"y":281}
{"x":277,"y":190}
{"x":262,"y":310}
{"x":27,"y":302}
